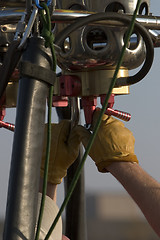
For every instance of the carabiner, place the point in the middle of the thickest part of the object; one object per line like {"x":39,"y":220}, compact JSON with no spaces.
{"x":28,"y":28}
{"x":38,"y":5}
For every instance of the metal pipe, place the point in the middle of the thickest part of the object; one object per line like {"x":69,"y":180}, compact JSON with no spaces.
{"x":150,"y":22}
{"x":155,"y":37}
{"x":21,"y":212}
{"x":76,"y":227}
{"x":76,"y":208}
{"x":11,"y":15}
{"x":14,"y":15}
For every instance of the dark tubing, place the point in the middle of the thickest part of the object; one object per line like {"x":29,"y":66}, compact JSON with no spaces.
{"x":21,"y":212}
{"x":76,"y":227}
{"x":126,"y":20}
{"x":10,"y":62}
{"x":76,"y":223}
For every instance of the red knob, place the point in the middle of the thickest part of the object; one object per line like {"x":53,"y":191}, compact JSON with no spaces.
{"x":8,"y":126}
{"x":119,"y":114}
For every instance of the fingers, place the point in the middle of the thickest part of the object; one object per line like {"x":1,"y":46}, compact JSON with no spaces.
{"x":74,"y":139}
{"x":59,"y":131}
{"x":83,"y":134}
{"x":96,"y":116}
{"x":64,"y":130}
{"x":65,"y":238}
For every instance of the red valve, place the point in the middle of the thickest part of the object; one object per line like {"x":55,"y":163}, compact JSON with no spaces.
{"x":110,"y":101}
{"x":8,"y":126}
{"x":116,"y":113}
{"x":60,"y":101}
{"x":70,"y":85}
{"x":2,"y":107}
{"x":119,"y":114}
{"x":89,"y":105}
{"x":2,"y":113}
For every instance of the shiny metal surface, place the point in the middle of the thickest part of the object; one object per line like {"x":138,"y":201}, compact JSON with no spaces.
{"x":76,"y":208}
{"x":11,"y":94}
{"x":8,"y":28}
{"x":10,"y":15}
{"x":98,"y":47}
{"x":60,"y":15}
{"x":150,"y":22}
{"x":94,"y":47}
{"x":114,"y":6}
{"x":29,"y":27}
{"x":13,"y":1}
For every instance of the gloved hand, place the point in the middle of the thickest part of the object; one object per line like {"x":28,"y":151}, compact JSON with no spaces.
{"x":113,"y":143}
{"x":64,"y":151}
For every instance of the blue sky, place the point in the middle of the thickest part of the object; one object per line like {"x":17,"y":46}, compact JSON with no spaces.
{"x":143,"y":104}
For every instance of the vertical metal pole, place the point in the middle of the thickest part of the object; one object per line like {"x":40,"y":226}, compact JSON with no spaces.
{"x":76,"y":227}
{"x":27,"y":149}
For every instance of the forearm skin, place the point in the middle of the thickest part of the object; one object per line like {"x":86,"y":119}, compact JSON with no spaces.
{"x":144,"y":190}
{"x":51,"y":190}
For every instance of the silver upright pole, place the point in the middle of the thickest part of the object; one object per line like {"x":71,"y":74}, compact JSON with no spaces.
{"x":76,"y":227}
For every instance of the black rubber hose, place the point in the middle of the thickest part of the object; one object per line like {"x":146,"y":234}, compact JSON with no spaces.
{"x":125,"y":20}
{"x":10,"y":61}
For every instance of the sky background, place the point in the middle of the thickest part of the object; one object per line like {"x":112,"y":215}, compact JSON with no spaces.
{"x":143,"y":103}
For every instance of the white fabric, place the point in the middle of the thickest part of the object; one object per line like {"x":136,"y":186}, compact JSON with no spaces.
{"x":50,"y":212}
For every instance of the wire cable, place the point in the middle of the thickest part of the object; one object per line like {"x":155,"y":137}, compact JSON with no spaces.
{"x":91,"y":140}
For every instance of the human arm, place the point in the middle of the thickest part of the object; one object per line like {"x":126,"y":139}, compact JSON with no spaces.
{"x":51,"y":190}
{"x":65,"y":144}
{"x":113,"y":151}
{"x":64,"y":151}
{"x":144,"y":189}
{"x":52,"y":194}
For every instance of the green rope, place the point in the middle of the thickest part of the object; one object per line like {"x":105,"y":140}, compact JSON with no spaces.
{"x":47,"y":32}
{"x":49,"y":38}
{"x":78,"y":171}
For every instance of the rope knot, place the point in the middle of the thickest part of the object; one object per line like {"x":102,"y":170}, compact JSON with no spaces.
{"x":46,"y":30}
{"x":48,"y":36}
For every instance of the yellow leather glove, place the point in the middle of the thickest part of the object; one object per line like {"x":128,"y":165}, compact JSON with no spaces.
{"x":113,"y":143}
{"x":64,"y":151}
